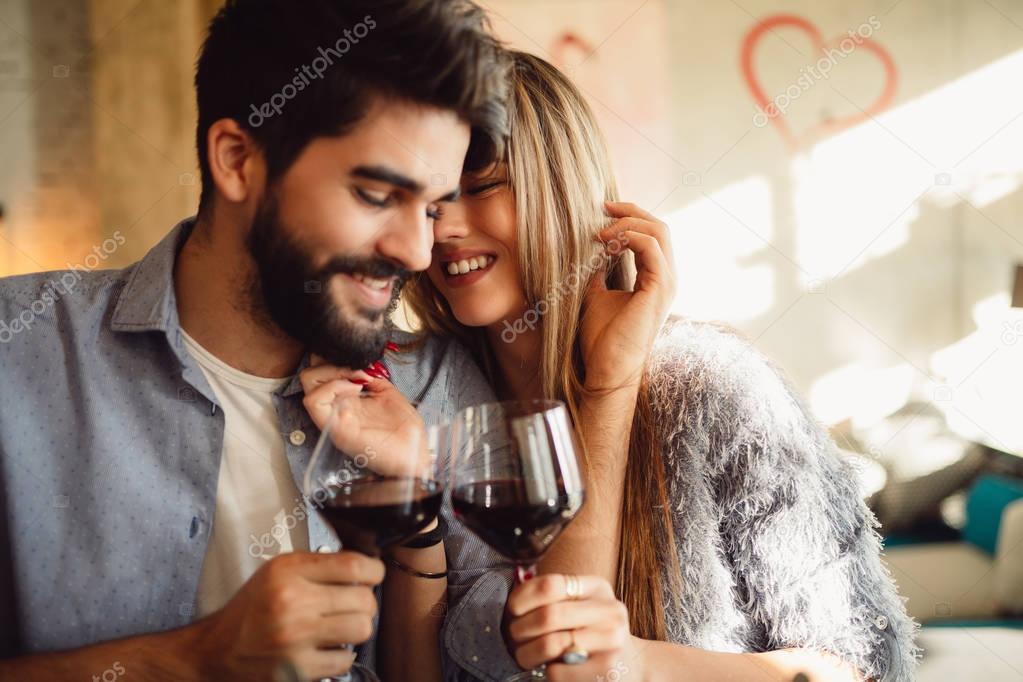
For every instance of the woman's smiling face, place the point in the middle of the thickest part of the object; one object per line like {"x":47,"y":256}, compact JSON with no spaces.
{"x":475,"y":257}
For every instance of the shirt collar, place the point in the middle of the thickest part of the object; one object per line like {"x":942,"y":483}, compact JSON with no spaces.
{"x":148,"y":302}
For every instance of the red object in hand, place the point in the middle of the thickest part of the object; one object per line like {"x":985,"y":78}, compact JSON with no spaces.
{"x":359,"y":382}
{"x":393,"y":347}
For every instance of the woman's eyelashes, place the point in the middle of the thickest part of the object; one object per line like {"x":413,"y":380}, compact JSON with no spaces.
{"x":484,"y":187}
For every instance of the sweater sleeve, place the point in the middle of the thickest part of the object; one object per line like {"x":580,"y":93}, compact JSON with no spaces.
{"x":801,"y":543}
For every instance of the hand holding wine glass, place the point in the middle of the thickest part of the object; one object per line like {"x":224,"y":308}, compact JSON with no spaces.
{"x":548,"y":615}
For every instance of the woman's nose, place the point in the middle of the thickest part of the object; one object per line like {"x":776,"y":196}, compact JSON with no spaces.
{"x":453,"y":223}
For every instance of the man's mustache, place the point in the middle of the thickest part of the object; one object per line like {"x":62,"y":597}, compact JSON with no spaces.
{"x":377,"y":268}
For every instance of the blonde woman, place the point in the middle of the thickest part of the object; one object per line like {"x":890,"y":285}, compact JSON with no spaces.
{"x":723,"y":537}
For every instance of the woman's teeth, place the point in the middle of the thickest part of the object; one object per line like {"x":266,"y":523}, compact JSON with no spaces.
{"x":460,"y":267}
{"x":373,"y":282}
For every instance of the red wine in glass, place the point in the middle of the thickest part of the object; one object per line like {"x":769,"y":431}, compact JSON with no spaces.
{"x":502,"y":515}
{"x":373,"y":513}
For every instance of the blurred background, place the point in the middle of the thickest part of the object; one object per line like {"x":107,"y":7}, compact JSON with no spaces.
{"x":842,"y":180}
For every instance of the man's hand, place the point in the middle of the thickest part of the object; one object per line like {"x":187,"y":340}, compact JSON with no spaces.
{"x":297,"y":609}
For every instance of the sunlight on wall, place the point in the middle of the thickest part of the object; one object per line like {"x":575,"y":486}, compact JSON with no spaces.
{"x":876,"y":173}
{"x":861,"y":394}
{"x":880,"y":174}
{"x":714,"y":239}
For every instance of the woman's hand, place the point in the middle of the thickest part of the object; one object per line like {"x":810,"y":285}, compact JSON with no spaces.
{"x":619,"y":327}
{"x":375,"y":426}
{"x":542,"y":622}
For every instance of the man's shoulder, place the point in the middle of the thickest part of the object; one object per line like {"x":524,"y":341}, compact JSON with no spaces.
{"x":57,"y":285}
{"x":421,"y":355}
{"x":41,"y":298}
{"x":426,"y":362}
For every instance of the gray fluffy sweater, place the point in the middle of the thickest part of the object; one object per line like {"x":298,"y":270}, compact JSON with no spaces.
{"x":776,"y":545}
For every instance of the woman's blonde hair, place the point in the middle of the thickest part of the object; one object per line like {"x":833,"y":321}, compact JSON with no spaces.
{"x":560,"y":172}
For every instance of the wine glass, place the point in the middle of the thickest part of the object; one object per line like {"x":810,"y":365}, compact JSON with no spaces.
{"x":372,"y":511}
{"x":516,"y":479}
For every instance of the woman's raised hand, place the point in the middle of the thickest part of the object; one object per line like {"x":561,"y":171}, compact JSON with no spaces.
{"x":375,"y":423}
{"x":543,"y":622}
{"x":618,"y":328}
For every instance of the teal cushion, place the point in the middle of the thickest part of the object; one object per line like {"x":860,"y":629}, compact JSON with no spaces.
{"x":988,"y":497}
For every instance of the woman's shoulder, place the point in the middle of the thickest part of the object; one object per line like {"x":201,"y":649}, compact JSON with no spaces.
{"x":692,"y":356}
{"x":711,"y":387}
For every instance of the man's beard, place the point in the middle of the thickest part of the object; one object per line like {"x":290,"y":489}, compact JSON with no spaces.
{"x":288,"y":291}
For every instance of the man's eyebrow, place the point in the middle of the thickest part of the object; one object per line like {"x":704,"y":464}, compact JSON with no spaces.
{"x":391,"y":177}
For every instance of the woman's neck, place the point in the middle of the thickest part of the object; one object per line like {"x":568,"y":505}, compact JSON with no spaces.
{"x":518,"y":364}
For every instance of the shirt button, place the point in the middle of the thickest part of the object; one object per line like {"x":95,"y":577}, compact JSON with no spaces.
{"x":324,"y":549}
{"x":297,"y":437}
{"x":881,"y":622}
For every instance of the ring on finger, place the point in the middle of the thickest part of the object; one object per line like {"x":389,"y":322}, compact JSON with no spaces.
{"x":573,"y":587}
{"x":574,"y":654}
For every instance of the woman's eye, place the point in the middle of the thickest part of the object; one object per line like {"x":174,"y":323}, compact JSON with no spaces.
{"x":485,"y":187}
{"x":374,"y":199}
{"x":434,"y":212}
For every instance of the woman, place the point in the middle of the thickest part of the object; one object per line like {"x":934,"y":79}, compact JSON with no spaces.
{"x":743,"y":549}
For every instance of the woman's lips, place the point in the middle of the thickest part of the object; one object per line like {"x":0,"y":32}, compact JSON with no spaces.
{"x":464,"y":279}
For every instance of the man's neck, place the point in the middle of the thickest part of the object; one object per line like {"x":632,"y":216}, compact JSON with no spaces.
{"x":212,"y":275}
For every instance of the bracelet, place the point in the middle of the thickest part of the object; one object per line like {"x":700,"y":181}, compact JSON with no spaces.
{"x":434,"y":537}
{"x":413,"y":572}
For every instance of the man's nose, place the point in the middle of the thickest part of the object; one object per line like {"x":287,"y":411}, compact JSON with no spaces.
{"x":409,"y":241}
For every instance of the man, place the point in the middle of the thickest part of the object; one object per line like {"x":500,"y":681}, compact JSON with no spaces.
{"x":153,"y":436}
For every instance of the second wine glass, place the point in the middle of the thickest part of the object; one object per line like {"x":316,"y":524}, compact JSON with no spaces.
{"x":516,"y":481}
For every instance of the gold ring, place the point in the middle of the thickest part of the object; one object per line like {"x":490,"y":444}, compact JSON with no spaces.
{"x":573,"y":587}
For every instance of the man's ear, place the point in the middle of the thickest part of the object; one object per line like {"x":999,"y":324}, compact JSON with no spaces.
{"x":236,"y":163}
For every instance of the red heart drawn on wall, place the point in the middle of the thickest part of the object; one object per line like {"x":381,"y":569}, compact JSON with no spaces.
{"x":567,"y":43}
{"x":776,"y":117}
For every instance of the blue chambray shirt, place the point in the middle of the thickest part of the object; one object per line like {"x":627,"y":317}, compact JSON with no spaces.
{"x":110,"y":447}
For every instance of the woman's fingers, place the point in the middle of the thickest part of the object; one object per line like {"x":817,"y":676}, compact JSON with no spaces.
{"x":319,"y":401}
{"x":654,"y":228}
{"x":315,"y":376}
{"x":552,"y":588}
{"x":568,"y":615}
{"x":551,"y":647}
{"x":624,"y":209}
{"x":652,"y":266}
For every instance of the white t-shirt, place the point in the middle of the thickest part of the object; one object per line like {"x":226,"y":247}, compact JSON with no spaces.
{"x":259,"y":508}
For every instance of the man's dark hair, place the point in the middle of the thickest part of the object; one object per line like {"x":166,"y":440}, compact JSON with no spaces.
{"x":289,"y":72}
